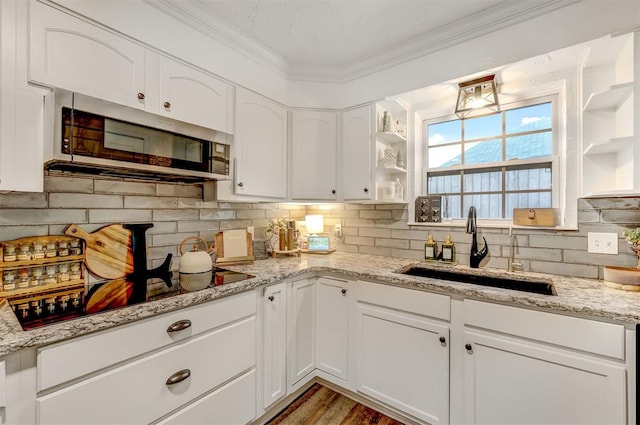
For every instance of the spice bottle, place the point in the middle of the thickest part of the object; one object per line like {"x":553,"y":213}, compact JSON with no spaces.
{"x":10,"y":252}
{"x":74,"y":248}
{"x":25,"y":253}
{"x":63,"y":248}
{"x":38,"y":251}
{"x":51,"y":250}
{"x":430,"y":249}
{"x":9,"y":280}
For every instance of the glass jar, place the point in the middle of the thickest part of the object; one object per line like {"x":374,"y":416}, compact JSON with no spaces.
{"x":63,"y":272}
{"x":74,"y":248}
{"x":76,"y":300}
{"x":23,"y":311}
{"x":36,"y":309}
{"x":25,"y":252}
{"x":10,"y":252}
{"x":63,"y":248}
{"x":38,"y":251}
{"x":9,"y":280}
{"x":74,"y":271}
{"x":63,"y":303}
{"x":51,"y":250}
{"x":37,"y":275}
{"x":51,"y":275}
{"x":50,"y":305}
{"x":24,"y":280}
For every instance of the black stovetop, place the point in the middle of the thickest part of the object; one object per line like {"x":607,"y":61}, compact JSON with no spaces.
{"x":110,"y":295}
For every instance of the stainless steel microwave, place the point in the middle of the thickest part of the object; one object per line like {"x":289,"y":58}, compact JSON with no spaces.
{"x":93,"y":136}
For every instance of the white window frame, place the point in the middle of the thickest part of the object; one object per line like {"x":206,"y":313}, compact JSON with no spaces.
{"x":564,"y":184}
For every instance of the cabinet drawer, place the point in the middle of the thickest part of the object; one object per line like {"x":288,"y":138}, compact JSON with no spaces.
{"x":233,"y":403}
{"x":137,"y":392}
{"x":410,"y":300}
{"x":606,"y":339}
{"x":69,"y":360}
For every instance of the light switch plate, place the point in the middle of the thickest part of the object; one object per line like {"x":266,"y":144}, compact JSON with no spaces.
{"x":337,"y":231}
{"x":602,"y":243}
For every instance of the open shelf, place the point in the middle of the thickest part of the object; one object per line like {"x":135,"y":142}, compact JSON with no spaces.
{"x":609,"y":146}
{"x":609,"y":99}
{"x":391,"y":170}
{"x":390,"y":137}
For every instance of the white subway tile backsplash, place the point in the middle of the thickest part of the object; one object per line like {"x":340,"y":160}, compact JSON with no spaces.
{"x":82,"y":200}
{"x":120,"y":215}
{"x":23,"y":200}
{"x":179,"y":190}
{"x":392,"y":243}
{"x":175,"y":215}
{"x":124,"y":187}
{"x":21,"y":217}
{"x":150,"y":202}
{"x":374,"y":250}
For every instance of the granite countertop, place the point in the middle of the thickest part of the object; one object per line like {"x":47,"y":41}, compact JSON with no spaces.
{"x":576,"y":296}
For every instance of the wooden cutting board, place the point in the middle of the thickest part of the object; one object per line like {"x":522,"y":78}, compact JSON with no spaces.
{"x":108,"y":252}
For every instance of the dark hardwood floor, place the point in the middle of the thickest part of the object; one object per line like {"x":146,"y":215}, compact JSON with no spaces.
{"x":321,"y":406}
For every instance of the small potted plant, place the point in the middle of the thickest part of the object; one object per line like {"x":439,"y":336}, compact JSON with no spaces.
{"x":627,"y":278}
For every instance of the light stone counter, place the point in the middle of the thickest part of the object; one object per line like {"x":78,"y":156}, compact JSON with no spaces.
{"x":576,"y":296}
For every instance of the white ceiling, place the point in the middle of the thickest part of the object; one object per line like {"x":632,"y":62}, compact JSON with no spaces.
{"x":338,"y":40}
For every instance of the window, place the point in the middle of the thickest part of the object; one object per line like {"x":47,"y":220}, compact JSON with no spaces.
{"x":494,"y":162}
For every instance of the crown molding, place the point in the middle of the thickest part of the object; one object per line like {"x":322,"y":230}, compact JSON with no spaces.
{"x":503,"y":15}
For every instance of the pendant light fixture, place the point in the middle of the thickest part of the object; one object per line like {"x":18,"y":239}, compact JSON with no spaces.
{"x":478,"y":96}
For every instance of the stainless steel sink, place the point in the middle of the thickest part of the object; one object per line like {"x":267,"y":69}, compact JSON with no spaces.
{"x":537,"y":285}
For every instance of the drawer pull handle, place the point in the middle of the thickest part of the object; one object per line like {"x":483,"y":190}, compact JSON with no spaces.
{"x":468,"y":347}
{"x":271,"y":298}
{"x":442,"y":340}
{"x":167,"y":105}
{"x":179,"y":376}
{"x":141,"y":96}
{"x":344,"y":291}
{"x":179,"y":326}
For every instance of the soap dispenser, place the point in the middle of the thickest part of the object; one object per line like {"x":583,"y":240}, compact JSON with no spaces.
{"x":448,"y":250}
{"x":430,"y":249}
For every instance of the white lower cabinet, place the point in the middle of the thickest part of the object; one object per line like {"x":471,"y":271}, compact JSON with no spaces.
{"x":403,"y":351}
{"x":301,"y":339}
{"x":572,"y":372}
{"x":332,"y":328}
{"x":274,"y":357}
{"x":147,"y":387}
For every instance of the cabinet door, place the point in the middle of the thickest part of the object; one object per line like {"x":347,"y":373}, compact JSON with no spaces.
{"x":356,"y":154}
{"x":275,"y":344}
{"x":72,"y":54}
{"x":313,"y":155}
{"x":260,"y":145}
{"x":301,"y":340}
{"x":509,"y":381}
{"x":403,"y":361}
{"x":332,"y":324}
{"x":189,"y":95}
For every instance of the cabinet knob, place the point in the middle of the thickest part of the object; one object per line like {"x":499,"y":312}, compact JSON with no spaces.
{"x":468,"y":347}
{"x":344,"y":291}
{"x":442,"y":340}
{"x":179,"y":376}
{"x":141,"y":96}
{"x":271,"y":298}
{"x":179,"y":326}
{"x":167,"y":105}
{"x":366,"y":190}
{"x":241,"y":184}
{"x":333,"y":191}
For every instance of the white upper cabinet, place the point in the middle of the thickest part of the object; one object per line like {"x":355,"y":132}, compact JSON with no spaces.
{"x":67,"y":52}
{"x":260,"y":147}
{"x":610,"y":152}
{"x":187,"y":94}
{"x":356,"y":149}
{"x":21,"y":110}
{"x":72,"y":54}
{"x":313,"y":155}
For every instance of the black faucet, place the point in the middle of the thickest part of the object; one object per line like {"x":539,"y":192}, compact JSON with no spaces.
{"x":472,"y":227}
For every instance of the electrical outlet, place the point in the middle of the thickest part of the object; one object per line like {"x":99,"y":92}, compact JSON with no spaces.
{"x":602,"y":243}
{"x":337,"y":230}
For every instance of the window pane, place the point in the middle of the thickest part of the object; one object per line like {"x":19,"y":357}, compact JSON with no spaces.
{"x":482,"y":152}
{"x":444,"y":132}
{"x":445,"y":156}
{"x":482,"y":127}
{"x":487,"y":206}
{"x":529,"y":118}
{"x":528,"y":179}
{"x":443,"y":184}
{"x":490,"y":181}
{"x":451,"y":207}
{"x":529,"y":146}
{"x":526,"y":200}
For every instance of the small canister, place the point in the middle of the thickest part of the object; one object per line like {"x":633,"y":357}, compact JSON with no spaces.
{"x":9,"y":280}
{"x":50,"y":305}
{"x":36,"y":309}
{"x":74,"y":248}
{"x":25,"y":252}
{"x":38,"y":251}
{"x":51,"y":250}
{"x":37,"y":275}
{"x":63,"y":248}
{"x":75,"y":272}
{"x":63,"y":303}
{"x":24,"y":280}
{"x":10,"y":252}
{"x":63,"y":272}
{"x":51,"y":275}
